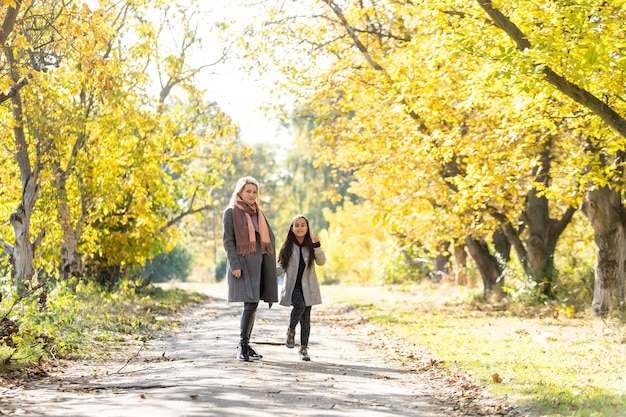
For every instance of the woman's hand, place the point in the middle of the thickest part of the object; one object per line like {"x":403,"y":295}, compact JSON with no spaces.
{"x":237,"y":273}
{"x":314,"y":237}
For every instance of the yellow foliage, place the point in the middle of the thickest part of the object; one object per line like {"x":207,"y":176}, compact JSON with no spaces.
{"x":9,"y":3}
{"x":444,"y":123}
{"x":355,"y":234}
{"x":117,"y":164}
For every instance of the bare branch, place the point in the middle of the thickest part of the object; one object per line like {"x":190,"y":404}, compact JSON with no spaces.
{"x":8,"y":248}
{"x":355,"y":39}
{"x":38,"y":239}
{"x":130,"y":359}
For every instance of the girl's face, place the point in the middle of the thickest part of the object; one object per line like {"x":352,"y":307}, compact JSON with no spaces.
{"x":299,"y":228}
{"x":249,"y":194}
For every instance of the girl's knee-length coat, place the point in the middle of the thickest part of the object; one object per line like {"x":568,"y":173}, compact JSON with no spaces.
{"x":310,"y":284}
{"x":258,"y":272}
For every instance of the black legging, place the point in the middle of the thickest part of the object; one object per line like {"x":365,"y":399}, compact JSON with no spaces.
{"x":300,"y":313}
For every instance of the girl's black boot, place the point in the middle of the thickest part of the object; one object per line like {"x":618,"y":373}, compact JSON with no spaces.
{"x":290,"y":342}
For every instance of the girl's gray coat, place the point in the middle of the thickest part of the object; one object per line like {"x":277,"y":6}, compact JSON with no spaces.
{"x":258,"y":272}
{"x":310,"y":285}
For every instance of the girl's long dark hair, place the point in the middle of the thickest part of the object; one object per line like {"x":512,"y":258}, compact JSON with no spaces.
{"x":284,"y":256}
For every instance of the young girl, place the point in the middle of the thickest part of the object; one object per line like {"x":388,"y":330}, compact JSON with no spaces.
{"x":301,"y":289}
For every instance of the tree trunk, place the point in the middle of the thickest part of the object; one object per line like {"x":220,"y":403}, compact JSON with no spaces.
{"x":540,"y":256}
{"x":502,"y":246}
{"x":23,"y":248}
{"x":543,"y":236}
{"x":543,"y":231}
{"x":23,"y":252}
{"x":536,"y":253}
{"x":71,"y":263}
{"x":441,"y":261}
{"x":489,"y":267}
{"x":603,"y":207}
{"x":460,"y":260}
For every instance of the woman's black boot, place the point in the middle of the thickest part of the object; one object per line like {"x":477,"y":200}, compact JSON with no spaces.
{"x":252,"y":353}
{"x":242,"y":352}
{"x":247,"y":323}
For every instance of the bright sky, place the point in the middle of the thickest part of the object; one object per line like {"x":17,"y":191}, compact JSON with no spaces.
{"x":241,"y":97}
{"x":238,"y":94}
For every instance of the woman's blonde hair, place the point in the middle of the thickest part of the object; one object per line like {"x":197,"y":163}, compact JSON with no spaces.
{"x":239,"y":188}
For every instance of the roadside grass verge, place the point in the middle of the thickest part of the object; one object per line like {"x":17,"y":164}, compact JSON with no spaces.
{"x":88,"y":323}
{"x":549,"y":362}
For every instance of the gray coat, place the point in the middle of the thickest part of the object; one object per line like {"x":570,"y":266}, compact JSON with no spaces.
{"x":310,"y":284}
{"x":258,"y":272}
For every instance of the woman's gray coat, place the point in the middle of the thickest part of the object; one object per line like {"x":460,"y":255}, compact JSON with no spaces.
{"x":310,"y":284}
{"x":258,"y":272}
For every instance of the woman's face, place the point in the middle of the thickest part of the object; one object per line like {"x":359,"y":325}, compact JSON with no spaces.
{"x":299,"y":228}
{"x":249,"y":194}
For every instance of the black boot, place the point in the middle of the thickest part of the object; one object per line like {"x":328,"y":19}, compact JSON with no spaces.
{"x":252,"y":353}
{"x":290,"y":343}
{"x":247,"y":323}
{"x":242,"y":351}
{"x":304,"y":353}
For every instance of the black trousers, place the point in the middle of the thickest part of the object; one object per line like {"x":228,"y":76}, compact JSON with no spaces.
{"x":300,"y":313}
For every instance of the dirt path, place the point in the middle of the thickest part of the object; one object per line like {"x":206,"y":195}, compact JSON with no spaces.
{"x":193,"y":373}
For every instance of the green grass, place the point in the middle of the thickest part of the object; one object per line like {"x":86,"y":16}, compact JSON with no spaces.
{"x":88,"y":323}
{"x":544,"y":361}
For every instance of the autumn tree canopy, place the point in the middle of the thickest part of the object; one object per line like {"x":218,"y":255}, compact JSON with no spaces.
{"x":465,"y":120}
{"x":105,"y":126}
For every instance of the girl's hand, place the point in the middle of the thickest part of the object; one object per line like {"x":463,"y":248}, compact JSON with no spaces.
{"x":314,"y":237}
{"x":237,"y":273}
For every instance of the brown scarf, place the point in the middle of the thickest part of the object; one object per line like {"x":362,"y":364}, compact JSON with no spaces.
{"x":245,"y":235}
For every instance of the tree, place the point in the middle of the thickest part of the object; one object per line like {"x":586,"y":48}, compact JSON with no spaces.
{"x":405,"y":91}
{"x":108,"y":168}
{"x":589,"y":75}
{"x":26,"y":55}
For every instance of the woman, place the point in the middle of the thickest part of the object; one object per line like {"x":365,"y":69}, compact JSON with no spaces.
{"x":251,"y":259}
{"x":297,"y":258}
